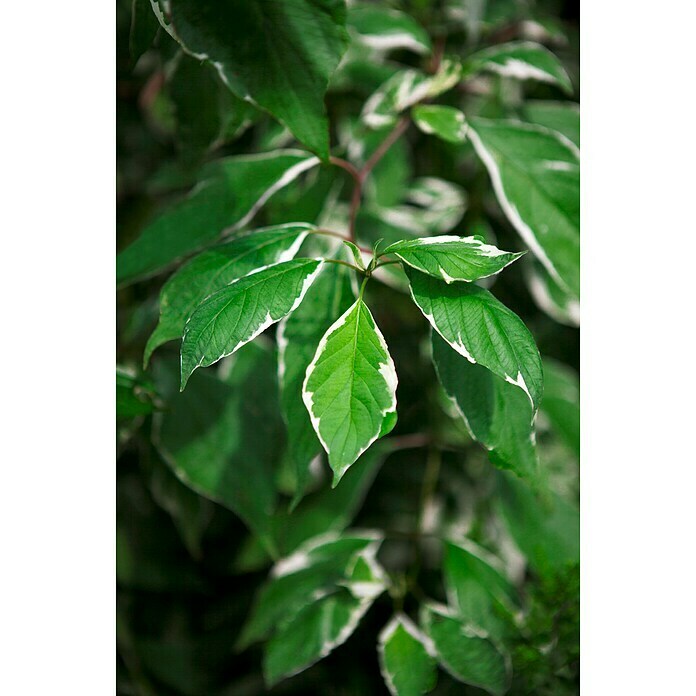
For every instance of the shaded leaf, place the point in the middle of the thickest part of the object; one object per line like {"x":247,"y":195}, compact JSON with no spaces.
{"x":143,"y":28}
{"x":546,"y":528}
{"x":465,"y":652}
{"x":229,"y":193}
{"x":222,"y":437}
{"x":561,"y":402}
{"x":312,"y":571}
{"x":520,"y":60}
{"x":383,"y":28}
{"x":278,"y":54}
{"x":496,"y":413}
{"x":477,"y":587}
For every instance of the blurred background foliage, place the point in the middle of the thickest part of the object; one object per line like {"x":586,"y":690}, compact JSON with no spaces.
{"x":188,"y":568}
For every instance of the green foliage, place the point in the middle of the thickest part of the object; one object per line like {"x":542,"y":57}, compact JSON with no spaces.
{"x":340,"y":470}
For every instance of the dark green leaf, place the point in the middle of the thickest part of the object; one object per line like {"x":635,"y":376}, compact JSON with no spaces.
{"x":496,"y":413}
{"x":228,"y":195}
{"x":144,"y":26}
{"x":313,"y":570}
{"x":561,"y":403}
{"x":222,"y":437}
{"x":279,"y":54}
{"x":465,"y":652}
{"x":477,"y":587}
{"x":546,"y":528}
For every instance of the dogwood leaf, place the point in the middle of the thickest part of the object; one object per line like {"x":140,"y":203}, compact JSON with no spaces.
{"x":406,"y":662}
{"x":229,"y":193}
{"x":520,"y":60}
{"x":215,"y":268}
{"x":482,"y":329}
{"x":445,"y":122}
{"x":496,"y":413}
{"x":298,"y":336}
{"x":466,"y":652}
{"x":239,"y":312}
{"x":453,"y":258}
{"x":536,"y":177}
{"x":280,"y":55}
{"x":350,"y":388}
{"x":384,"y":29}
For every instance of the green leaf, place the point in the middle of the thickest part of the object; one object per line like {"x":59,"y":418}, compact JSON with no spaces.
{"x":406,"y":88}
{"x":350,"y":387}
{"x":477,"y":587}
{"x":356,"y":253}
{"x":495,"y":412}
{"x":298,"y":336}
{"x":536,"y":177}
{"x":312,"y":634}
{"x":453,"y":258}
{"x":280,"y":55}
{"x":482,"y":329}
{"x":384,"y":29}
{"x":313,"y":571}
{"x":216,"y":268}
{"x":445,"y":122}
{"x":520,"y":60}
{"x":465,"y":652}
{"x":239,"y":312}
{"x":545,"y":528}
{"x":562,"y":117}
{"x":221,"y":437}
{"x":561,"y":403}
{"x":229,"y":193}
{"x":407,"y":666}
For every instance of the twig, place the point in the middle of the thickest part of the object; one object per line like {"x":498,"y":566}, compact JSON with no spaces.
{"x":345,"y":263}
{"x":377,"y":155}
{"x":338,"y":235}
{"x":344,"y":164}
{"x":359,"y":176}
{"x":410,"y":441}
